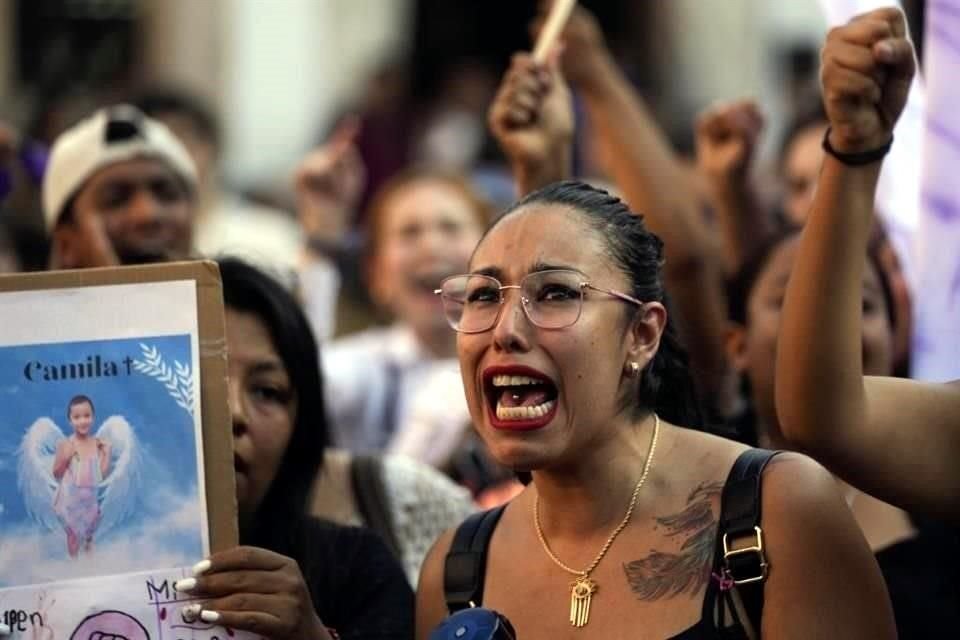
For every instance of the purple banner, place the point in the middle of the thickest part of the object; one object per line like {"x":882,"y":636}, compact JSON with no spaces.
{"x":937,"y":249}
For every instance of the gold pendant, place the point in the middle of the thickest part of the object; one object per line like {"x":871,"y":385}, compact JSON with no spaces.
{"x":580,"y":595}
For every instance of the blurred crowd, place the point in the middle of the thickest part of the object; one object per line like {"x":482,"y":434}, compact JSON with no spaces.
{"x":348,"y":278}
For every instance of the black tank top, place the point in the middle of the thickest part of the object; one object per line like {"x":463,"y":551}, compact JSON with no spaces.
{"x":749,"y":464}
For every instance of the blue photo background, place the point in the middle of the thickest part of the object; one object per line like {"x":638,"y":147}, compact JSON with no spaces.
{"x":164,"y":526}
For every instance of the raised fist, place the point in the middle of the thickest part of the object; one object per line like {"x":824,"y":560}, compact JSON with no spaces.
{"x":727,"y":136}
{"x":531,"y":116}
{"x":867,"y":66}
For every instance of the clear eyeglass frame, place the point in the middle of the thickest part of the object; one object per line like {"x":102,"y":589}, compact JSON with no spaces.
{"x":453,"y":305}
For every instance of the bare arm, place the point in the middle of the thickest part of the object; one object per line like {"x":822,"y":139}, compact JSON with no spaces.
{"x":328,"y":184}
{"x":727,"y":136}
{"x":896,"y":439}
{"x":654,"y":183}
{"x":62,"y":458}
{"x":532,"y":119}
{"x":824,"y":581}
{"x":431,"y":606}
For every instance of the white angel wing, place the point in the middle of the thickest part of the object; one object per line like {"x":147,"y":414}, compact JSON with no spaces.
{"x":35,"y":479}
{"x":120,"y":490}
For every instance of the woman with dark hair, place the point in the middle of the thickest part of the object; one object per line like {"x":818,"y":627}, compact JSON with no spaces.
{"x":897,"y":439}
{"x":572,"y":372}
{"x":295,"y":576}
{"x":755,"y":297}
{"x":922,"y":593}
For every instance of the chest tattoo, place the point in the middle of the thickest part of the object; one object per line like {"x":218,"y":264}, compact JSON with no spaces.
{"x":662,"y":574}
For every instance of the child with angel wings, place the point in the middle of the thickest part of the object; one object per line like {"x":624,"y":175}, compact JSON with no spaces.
{"x":84,"y":483}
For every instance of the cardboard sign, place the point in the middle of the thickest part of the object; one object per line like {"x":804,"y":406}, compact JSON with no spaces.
{"x":116,"y":453}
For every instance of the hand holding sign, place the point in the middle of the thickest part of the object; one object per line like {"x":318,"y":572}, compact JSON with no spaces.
{"x":255,"y":590}
{"x":867,"y":67}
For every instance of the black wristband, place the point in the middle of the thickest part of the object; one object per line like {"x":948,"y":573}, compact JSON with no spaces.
{"x":860,"y":158}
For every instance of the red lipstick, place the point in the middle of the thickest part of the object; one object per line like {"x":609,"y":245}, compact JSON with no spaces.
{"x":492,"y":394}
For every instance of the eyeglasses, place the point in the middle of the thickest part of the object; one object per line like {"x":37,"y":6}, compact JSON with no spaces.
{"x":551,"y":299}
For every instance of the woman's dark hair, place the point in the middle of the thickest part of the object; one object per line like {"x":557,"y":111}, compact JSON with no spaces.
{"x":741,"y":283}
{"x":77,"y":400}
{"x":743,"y":427}
{"x":666,"y":384}
{"x":249,"y":290}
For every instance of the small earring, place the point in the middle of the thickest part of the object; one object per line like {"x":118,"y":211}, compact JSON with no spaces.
{"x":633,"y":369}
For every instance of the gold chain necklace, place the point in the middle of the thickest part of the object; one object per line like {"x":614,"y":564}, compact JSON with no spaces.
{"x":583,"y":588}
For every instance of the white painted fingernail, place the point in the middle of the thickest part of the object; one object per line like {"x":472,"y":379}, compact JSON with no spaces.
{"x":209,"y":616}
{"x":4,"y":630}
{"x":201,"y":567}
{"x":186,"y":585}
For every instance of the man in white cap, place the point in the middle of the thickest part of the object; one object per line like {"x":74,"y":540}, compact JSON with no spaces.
{"x":119,"y":189}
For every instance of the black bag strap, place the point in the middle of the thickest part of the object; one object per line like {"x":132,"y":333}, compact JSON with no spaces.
{"x":373,"y":503}
{"x":745,"y":569}
{"x":465,"y":566}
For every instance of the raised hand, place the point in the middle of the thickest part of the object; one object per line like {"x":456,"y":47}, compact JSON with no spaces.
{"x":532,"y":116}
{"x":867,"y":66}
{"x":255,"y":590}
{"x":727,"y":136}
{"x":329,"y":182}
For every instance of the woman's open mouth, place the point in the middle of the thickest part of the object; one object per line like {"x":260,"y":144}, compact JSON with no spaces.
{"x":519,"y":398}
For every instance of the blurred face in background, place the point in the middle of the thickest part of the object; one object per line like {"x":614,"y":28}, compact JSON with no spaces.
{"x":425,"y":231}
{"x":801,"y":169}
{"x":132,"y":212}
{"x":756,"y":343}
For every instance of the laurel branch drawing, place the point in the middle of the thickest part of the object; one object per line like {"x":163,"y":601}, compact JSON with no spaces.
{"x":178,"y":380}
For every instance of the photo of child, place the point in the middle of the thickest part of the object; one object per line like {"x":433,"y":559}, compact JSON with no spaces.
{"x":99,"y":462}
{"x":82,"y":462}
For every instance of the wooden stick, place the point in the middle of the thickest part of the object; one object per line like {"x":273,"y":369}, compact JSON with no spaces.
{"x":556,"y":21}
